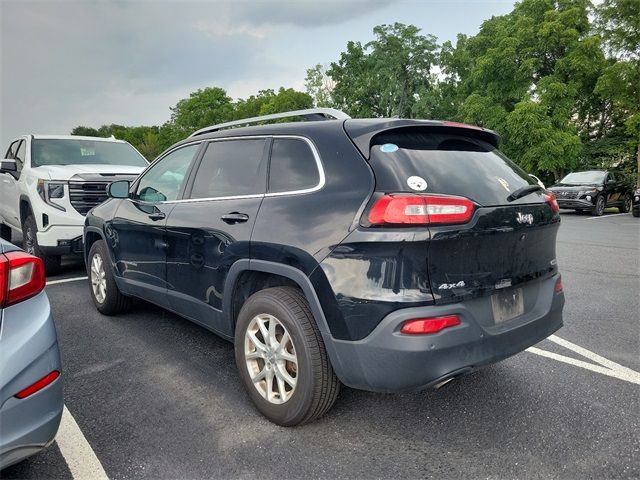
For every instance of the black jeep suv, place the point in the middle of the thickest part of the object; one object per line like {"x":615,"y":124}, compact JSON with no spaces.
{"x":594,"y":190}
{"x":387,"y":255}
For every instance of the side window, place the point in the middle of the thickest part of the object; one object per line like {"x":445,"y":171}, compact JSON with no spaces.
{"x":163,"y":181}
{"x":19,"y":156}
{"x":611,"y":177}
{"x":293,"y":166}
{"x":11,"y":151}
{"x":230,"y":168}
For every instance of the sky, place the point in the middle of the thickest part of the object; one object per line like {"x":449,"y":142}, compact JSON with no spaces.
{"x":70,"y":63}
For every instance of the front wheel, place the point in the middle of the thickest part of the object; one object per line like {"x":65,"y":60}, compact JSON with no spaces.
{"x":598,"y":208}
{"x":626,"y":204}
{"x":281,"y":357}
{"x":105,"y":293}
{"x":52,"y":263}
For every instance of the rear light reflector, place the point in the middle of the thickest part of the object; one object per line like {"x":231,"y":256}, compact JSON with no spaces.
{"x":39,"y":385}
{"x":552,"y":201}
{"x":558,"y":288}
{"x":402,"y":209}
{"x":21,"y":276}
{"x":425,"y":326}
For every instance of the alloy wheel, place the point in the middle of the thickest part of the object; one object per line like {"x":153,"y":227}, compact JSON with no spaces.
{"x":271,"y":358}
{"x":98,"y":278}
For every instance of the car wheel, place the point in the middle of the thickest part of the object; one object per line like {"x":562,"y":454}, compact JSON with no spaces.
{"x":281,"y":357}
{"x":626,"y":204}
{"x":105,"y":293}
{"x":5,"y":232}
{"x":52,"y":263}
{"x":598,"y":208}
{"x":636,"y":213}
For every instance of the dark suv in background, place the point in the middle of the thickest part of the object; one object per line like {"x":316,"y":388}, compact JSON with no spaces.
{"x":594,"y":190}
{"x":387,"y":255}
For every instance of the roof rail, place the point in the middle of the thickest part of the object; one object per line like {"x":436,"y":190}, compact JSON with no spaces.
{"x":308,"y":114}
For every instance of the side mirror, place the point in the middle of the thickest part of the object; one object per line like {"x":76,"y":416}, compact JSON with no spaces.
{"x":119,"y":189}
{"x":8,"y":165}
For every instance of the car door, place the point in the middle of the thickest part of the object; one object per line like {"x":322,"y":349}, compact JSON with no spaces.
{"x":137,"y":231}
{"x":9,"y":193}
{"x":612,"y":188}
{"x":210,"y":229}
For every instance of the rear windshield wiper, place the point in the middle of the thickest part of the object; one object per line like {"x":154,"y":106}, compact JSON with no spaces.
{"x":523,"y":192}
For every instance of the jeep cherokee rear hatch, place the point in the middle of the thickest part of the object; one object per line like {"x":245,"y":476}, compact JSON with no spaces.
{"x":491,"y":226}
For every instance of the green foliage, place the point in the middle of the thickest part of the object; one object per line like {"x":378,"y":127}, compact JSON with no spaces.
{"x":384,"y":77}
{"x":320,"y":86}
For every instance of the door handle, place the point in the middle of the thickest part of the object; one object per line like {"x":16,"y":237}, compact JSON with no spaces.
{"x":234,"y":217}
{"x":157,"y":216}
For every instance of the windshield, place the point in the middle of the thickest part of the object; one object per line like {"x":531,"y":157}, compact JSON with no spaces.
{"x":84,"y":152}
{"x":580,"y":178}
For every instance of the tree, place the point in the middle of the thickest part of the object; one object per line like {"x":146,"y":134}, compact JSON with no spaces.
{"x":320,"y":86}
{"x":618,"y":21}
{"x":85,"y":132}
{"x":384,"y":77}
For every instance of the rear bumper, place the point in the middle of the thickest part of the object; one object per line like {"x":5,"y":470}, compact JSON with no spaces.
{"x":388,"y":361}
{"x":28,"y":352}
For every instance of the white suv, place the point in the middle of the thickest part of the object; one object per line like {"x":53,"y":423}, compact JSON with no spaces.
{"x":48,"y":183}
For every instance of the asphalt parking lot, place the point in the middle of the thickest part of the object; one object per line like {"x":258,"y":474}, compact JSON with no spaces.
{"x":156,"y":396}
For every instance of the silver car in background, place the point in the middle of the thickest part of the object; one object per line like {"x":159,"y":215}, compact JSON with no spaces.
{"x":30,"y":385}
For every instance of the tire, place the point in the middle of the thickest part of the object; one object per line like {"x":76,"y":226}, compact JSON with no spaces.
{"x":104,"y":292}
{"x":626,"y":204}
{"x":636,"y":213}
{"x":598,"y":208}
{"x":52,"y":263}
{"x":316,"y":385}
{"x":5,"y":232}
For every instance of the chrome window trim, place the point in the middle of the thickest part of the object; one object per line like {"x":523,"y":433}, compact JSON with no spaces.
{"x":314,"y":151}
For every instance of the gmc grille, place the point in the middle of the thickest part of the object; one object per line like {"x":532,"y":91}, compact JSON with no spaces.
{"x":86,"y":195}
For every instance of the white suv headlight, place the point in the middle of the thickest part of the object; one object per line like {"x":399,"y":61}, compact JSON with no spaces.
{"x":50,"y":190}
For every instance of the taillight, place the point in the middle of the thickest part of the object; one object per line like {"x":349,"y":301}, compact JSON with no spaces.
{"x":21,"y":276}
{"x":425,"y":326}
{"x":402,"y":209}
{"x":551,"y":200}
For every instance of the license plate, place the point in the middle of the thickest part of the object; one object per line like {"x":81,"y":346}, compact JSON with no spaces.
{"x":507,"y":305}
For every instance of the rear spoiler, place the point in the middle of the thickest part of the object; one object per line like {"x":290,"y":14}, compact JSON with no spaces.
{"x":362,"y":131}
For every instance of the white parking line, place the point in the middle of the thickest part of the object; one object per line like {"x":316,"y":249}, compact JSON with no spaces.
{"x":77,"y":452}
{"x":608,"y":216}
{"x":65,"y":280}
{"x":605,"y":366}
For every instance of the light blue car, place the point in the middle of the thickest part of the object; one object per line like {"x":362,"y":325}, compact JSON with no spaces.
{"x":31,"y":401}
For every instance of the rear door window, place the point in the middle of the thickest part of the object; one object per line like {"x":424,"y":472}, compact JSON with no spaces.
{"x":445,"y":163}
{"x":231,"y":168}
{"x":293,"y":166}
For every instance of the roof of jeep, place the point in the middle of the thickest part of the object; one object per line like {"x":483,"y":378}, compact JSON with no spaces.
{"x":361,"y":131}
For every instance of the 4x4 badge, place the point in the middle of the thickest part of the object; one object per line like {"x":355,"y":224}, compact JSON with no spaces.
{"x":524,"y":218}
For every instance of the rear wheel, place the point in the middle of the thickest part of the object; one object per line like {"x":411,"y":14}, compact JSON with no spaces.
{"x":105,"y":293}
{"x":52,"y":263}
{"x":281,"y":357}
{"x":5,"y":232}
{"x":626,"y":204}
{"x":598,"y":208}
